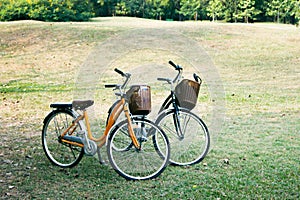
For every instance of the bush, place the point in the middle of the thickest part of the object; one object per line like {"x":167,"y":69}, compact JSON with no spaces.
{"x":46,"y":10}
{"x":11,"y":10}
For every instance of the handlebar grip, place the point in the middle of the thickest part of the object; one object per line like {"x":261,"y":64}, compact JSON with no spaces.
{"x":110,"y":85}
{"x":165,"y":79}
{"x":197,"y":78}
{"x":162,"y":79}
{"x":173,"y":64}
{"x":119,"y":72}
{"x":177,"y":67}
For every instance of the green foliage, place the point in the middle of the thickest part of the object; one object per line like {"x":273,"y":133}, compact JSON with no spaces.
{"x":247,"y":10}
{"x":274,"y":9}
{"x":107,"y":7}
{"x":121,"y":9}
{"x":11,"y":10}
{"x":230,"y":13}
{"x":136,"y":8}
{"x":281,"y":11}
{"x":190,"y":8}
{"x":284,"y":10}
{"x":156,"y":9}
{"x":46,"y":10}
{"x":296,"y":11}
{"x":215,"y":9}
{"x":235,"y":10}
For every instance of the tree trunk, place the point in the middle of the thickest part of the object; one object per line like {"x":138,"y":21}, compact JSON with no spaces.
{"x":235,"y":12}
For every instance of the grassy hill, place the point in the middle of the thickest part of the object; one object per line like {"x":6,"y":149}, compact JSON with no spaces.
{"x":255,"y":154}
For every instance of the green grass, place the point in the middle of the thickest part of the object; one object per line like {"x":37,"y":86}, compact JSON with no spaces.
{"x":255,"y":156}
{"x":17,"y":86}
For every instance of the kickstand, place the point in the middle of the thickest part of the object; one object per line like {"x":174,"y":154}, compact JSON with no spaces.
{"x":101,"y":161}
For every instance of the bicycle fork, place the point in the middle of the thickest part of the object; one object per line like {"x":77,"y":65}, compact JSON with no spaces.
{"x":176,"y":118}
{"x":177,"y":124}
{"x":130,"y":128}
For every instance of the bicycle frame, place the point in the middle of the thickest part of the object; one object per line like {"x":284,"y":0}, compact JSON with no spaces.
{"x":171,"y":99}
{"x":121,"y":106}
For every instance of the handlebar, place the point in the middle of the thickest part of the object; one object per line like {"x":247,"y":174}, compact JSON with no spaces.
{"x":110,"y":85}
{"x":179,"y":75}
{"x":119,"y":72}
{"x":177,"y":67}
{"x":177,"y":78}
{"x":165,"y":79}
{"x":197,"y":78}
{"x":118,"y":86}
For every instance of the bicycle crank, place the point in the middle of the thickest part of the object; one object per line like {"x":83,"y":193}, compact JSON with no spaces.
{"x":91,"y":148}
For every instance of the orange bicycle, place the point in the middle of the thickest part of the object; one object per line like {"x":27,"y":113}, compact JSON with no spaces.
{"x":137,"y":148}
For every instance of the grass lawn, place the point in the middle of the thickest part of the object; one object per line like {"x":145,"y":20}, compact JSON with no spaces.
{"x":254,"y":156}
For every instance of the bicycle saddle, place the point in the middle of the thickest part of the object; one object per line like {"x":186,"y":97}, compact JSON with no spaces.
{"x":82,"y":104}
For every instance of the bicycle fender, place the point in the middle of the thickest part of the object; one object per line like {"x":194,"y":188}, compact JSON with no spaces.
{"x":55,"y":111}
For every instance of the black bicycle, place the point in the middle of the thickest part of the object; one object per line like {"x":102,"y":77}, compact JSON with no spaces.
{"x":187,"y":133}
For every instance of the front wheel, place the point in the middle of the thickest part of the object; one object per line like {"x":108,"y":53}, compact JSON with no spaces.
{"x":59,"y":153}
{"x":138,"y":164}
{"x":188,"y":135}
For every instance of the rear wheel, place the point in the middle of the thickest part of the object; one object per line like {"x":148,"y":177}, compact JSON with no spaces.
{"x":59,"y":153}
{"x":190,"y":145}
{"x":138,"y":164}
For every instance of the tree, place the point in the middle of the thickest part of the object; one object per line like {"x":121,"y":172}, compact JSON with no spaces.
{"x":190,"y":8}
{"x":156,"y":8}
{"x":287,"y":11}
{"x":291,"y":11}
{"x":247,"y":10}
{"x":136,"y":7}
{"x":121,"y":9}
{"x":274,"y":9}
{"x":261,"y":6}
{"x":295,"y":4}
{"x":215,"y":9}
{"x":230,"y":10}
{"x":108,"y":7}
{"x":46,"y":10}
{"x":14,"y":10}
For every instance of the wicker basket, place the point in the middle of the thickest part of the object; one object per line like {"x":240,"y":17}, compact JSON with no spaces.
{"x":186,"y":93}
{"x":139,"y":99}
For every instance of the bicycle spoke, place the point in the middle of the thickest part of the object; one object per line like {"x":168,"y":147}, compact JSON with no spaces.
{"x":169,"y":130}
{"x":56,"y":126}
{"x":185,"y":123}
{"x":58,"y":152}
{"x":194,"y":145}
{"x":137,"y":164}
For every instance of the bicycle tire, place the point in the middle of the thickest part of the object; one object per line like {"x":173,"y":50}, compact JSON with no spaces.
{"x":194,"y":145}
{"x":59,"y":153}
{"x":134,"y":164}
